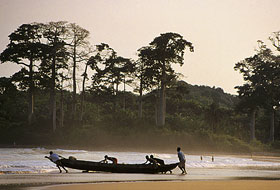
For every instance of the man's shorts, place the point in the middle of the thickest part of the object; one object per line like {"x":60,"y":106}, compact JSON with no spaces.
{"x":182,"y":163}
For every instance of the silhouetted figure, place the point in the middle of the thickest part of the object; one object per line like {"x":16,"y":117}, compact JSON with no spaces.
{"x":212,"y":158}
{"x":201,"y":158}
{"x":182,"y":160}
{"x":55,"y":158}
{"x":159,"y":161}
{"x":112,"y":159}
{"x":150,"y":160}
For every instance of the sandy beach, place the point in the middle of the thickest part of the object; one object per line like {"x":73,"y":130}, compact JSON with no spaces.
{"x":197,"y":179}
{"x":190,"y":185}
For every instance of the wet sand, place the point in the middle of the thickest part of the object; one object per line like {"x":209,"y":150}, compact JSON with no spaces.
{"x":202,"y":178}
{"x":188,"y":185}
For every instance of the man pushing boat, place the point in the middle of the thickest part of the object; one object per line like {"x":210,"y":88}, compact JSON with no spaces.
{"x":153,"y":160}
{"x":114,"y":160}
{"x":55,"y":158}
{"x":159,"y":161}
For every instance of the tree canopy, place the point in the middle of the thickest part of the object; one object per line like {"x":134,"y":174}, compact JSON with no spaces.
{"x":74,"y":93}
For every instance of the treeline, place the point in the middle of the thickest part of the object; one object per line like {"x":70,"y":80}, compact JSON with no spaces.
{"x":41,"y":103}
{"x":261,"y":91}
{"x":49,"y":52}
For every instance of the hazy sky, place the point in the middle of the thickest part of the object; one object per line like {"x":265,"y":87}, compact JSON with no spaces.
{"x":223,"y":32}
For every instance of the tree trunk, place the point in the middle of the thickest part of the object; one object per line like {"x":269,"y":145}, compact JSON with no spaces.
{"x":30,"y":93}
{"x":61,"y":106}
{"x":117,"y":88}
{"x":162,"y":98}
{"x":271,"y":131}
{"x":54,"y":115}
{"x":114,"y":99}
{"x":53,"y":99}
{"x":124,"y":101}
{"x":161,"y":114}
{"x":74,"y":84}
{"x":252,"y":124}
{"x":83,"y":94}
{"x":140,"y":106}
{"x":157,"y":107}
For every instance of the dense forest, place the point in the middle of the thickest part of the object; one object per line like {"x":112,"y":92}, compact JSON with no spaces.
{"x":71,"y":93}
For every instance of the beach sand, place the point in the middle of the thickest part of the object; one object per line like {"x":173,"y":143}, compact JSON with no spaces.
{"x":188,"y":185}
{"x":197,"y":179}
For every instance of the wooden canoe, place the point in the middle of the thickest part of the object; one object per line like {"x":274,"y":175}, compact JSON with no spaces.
{"x":117,"y":168}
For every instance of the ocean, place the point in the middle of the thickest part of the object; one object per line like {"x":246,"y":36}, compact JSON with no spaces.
{"x":32,"y":161}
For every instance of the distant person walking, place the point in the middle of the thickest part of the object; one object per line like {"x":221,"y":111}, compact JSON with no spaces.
{"x":182,"y":160}
{"x":55,"y":158}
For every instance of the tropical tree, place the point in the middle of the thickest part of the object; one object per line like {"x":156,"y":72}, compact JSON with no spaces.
{"x":164,"y":50}
{"x":78,"y":51}
{"x":91,"y":62}
{"x":25,"y":48}
{"x":11,"y":101}
{"x":139,"y":75}
{"x":250,"y":102}
{"x":127,"y":68}
{"x":251,"y":96}
{"x":261,"y":73}
{"x":111,"y":71}
{"x":55,"y":58}
{"x":98,"y":62}
{"x":146,"y":74}
{"x":270,"y":80}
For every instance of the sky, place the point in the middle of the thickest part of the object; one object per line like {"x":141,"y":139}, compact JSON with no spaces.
{"x":223,"y":32}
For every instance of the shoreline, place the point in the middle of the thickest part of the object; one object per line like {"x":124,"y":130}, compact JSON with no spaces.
{"x":266,"y":154}
{"x":232,"y":184}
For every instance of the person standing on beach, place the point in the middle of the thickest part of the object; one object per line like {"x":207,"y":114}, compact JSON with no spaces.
{"x":182,"y":160}
{"x":55,"y":158}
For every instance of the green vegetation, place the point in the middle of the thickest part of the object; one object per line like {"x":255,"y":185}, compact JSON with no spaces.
{"x":40,"y":105}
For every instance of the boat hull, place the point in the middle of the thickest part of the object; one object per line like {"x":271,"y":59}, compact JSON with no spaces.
{"x":117,"y":168}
